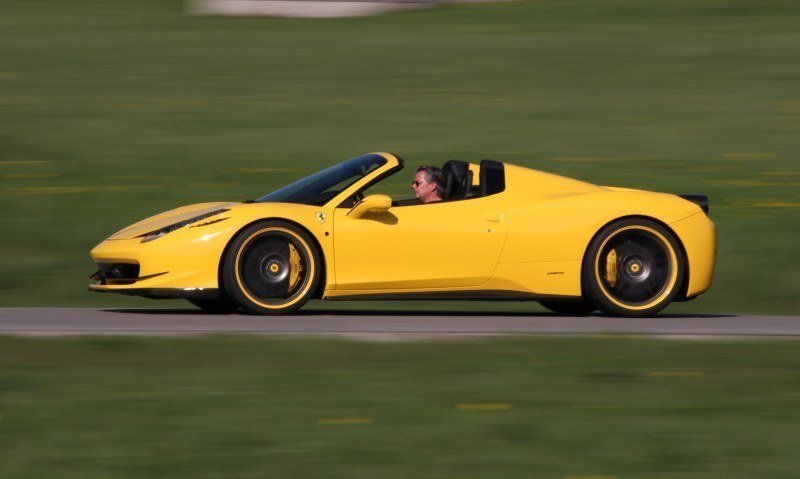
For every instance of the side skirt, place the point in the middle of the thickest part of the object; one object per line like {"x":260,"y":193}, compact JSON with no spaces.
{"x":474,"y":295}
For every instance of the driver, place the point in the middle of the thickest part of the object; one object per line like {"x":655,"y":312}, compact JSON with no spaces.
{"x":428,"y":184}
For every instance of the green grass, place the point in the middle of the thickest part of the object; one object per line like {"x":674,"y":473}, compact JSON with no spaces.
{"x":113,"y":110}
{"x":239,"y":407}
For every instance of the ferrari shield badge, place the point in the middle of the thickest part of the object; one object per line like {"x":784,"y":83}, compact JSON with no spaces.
{"x":321,"y":217}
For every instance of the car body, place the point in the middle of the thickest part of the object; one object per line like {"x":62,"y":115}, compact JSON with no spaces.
{"x":503,"y":232}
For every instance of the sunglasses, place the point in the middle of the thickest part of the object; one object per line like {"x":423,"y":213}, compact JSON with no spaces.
{"x":415,"y":183}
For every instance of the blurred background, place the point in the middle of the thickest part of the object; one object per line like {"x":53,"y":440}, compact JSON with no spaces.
{"x":114,"y":110}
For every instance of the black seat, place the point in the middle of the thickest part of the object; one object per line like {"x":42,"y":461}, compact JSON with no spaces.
{"x":457,"y":179}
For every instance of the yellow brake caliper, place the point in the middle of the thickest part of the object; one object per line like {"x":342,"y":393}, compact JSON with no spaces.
{"x":611,"y":268}
{"x":295,"y":267}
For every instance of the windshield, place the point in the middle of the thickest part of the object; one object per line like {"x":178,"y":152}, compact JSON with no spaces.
{"x":321,"y":187}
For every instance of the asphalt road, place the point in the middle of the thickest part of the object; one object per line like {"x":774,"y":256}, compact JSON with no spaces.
{"x":377,"y":325}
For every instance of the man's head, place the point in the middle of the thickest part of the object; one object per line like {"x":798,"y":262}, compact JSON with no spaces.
{"x":428,"y":184}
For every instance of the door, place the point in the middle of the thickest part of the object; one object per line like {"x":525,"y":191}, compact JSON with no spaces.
{"x":434,"y":245}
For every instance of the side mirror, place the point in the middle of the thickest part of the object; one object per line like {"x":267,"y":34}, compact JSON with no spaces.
{"x":371,"y":204}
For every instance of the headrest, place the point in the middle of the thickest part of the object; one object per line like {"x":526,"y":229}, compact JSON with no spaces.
{"x":455,"y":179}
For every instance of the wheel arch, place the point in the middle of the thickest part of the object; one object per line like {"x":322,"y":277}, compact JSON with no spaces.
{"x":686,"y":266}
{"x":323,"y":269}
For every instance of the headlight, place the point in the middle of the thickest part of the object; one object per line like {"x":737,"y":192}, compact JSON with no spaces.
{"x":154,"y":235}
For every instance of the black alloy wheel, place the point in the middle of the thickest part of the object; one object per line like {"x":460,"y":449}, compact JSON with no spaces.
{"x":633,"y":267}
{"x":272,"y":267}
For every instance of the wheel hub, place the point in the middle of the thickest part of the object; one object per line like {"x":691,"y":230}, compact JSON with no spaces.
{"x":273,"y":269}
{"x":636,"y":268}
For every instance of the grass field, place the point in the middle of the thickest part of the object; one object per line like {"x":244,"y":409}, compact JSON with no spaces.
{"x":112,"y":110}
{"x":110,"y":408}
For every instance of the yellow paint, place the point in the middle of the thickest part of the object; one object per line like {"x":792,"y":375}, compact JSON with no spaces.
{"x":537,"y":277}
{"x":676,"y":374}
{"x":530,"y":238}
{"x":380,"y":251}
{"x":485,"y":407}
{"x":698,"y":236}
{"x":373,"y":204}
{"x":340,"y":421}
{"x":476,"y":174}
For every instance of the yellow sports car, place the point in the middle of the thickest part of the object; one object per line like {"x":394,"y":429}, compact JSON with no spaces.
{"x":500,"y":232}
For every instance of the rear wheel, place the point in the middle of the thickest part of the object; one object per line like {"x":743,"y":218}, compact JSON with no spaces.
{"x":634,"y":267}
{"x":577,"y":308}
{"x":272,"y":267}
{"x":221,"y":305}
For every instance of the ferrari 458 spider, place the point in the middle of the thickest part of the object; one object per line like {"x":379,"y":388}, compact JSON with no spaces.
{"x":500,"y":232}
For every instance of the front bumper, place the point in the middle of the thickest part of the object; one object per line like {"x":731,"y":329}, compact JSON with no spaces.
{"x":183,"y":264}
{"x":161,"y":293}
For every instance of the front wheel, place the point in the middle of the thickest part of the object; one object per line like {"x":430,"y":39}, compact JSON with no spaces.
{"x":272,"y":267}
{"x":633,"y":267}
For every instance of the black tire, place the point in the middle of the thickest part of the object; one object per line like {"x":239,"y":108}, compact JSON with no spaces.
{"x":221,"y":305}
{"x":575,"y":308}
{"x":633,"y":267}
{"x":272,"y":267}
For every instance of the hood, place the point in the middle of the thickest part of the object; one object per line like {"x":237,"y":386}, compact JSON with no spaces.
{"x":167,"y":218}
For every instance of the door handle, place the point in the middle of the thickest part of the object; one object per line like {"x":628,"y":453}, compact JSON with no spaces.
{"x":493,"y":218}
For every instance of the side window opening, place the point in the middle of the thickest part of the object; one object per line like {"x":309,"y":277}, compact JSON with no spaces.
{"x":484,"y":179}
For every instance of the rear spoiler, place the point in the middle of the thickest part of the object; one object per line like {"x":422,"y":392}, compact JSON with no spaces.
{"x":699,"y":200}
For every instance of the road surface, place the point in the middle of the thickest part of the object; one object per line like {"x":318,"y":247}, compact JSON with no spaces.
{"x":379,"y":324}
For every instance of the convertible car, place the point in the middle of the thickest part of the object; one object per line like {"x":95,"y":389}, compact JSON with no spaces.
{"x":500,"y":232}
